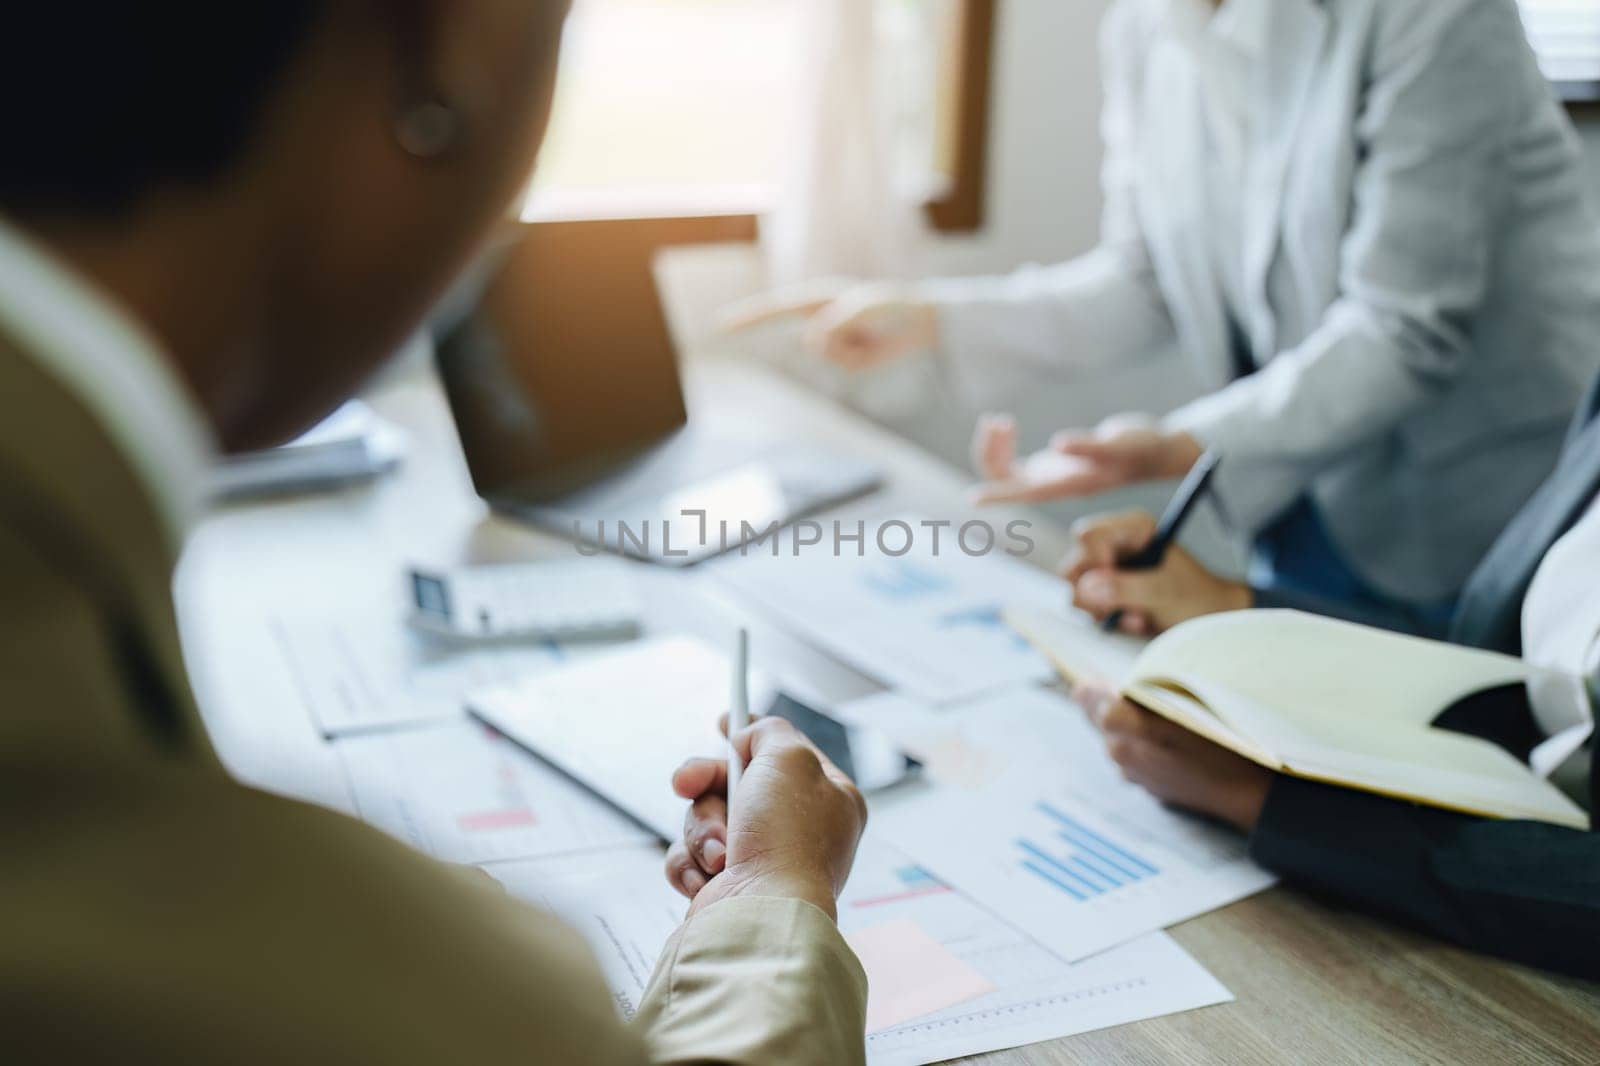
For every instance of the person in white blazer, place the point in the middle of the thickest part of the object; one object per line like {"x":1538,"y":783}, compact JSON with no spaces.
{"x":1365,"y":222}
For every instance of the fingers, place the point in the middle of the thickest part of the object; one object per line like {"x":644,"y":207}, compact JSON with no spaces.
{"x":796,"y":758}
{"x":1015,"y":491}
{"x":683,"y":873}
{"x":850,"y":334}
{"x":769,"y":307}
{"x":1082,"y":444}
{"x":697,"y":777}
{"x":705,"y":832}
{"x":1125,"y":723}
{"x":855,"y":347}
{"x":1137,"y":623}
{"x":1100,"y":541}
{"x":1102,"y":591}
{"x":1095,"y":697}
{"x":1082,"y":480}
{"x":994,"y":446}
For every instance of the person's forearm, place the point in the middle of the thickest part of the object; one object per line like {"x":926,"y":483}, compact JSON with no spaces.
{"x":1353,"y":381}
{"x":1521,"y":890}
{"x":1100,"y":309}
{"x":757,"y":981}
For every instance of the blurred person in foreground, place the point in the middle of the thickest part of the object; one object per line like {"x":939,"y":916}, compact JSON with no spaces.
{"x":215,"y":220}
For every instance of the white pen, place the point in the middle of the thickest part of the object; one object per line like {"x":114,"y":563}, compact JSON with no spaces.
{"x":739,"y":712}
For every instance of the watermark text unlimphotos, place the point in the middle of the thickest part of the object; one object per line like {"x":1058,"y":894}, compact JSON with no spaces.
{"x":693,"y":532}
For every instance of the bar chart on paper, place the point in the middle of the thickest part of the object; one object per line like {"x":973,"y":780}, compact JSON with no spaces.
{"x":1050,"y":837}
{"x":1032,"y":994}
{"x":1077,"y":860}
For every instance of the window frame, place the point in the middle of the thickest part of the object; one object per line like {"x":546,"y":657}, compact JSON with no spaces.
{"x":958,"y":206}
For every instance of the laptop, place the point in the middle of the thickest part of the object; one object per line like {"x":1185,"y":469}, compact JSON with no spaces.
{"x":570,"y":408}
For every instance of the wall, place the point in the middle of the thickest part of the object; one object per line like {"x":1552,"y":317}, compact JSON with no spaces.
{"x":1044,"y":198}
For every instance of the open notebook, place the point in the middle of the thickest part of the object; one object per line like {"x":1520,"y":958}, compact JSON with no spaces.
{"x":1334,"y":702}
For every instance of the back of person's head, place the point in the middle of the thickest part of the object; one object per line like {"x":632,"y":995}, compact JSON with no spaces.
{"x":109,"y":101}
{"x":279,"y":189}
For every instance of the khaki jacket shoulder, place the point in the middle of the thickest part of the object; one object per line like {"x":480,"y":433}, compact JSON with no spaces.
{"x":154,"y":910}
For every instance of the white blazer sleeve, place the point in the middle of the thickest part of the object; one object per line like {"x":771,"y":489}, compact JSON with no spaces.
{"x":1099,"y":309}
{"x":1414,"y":264}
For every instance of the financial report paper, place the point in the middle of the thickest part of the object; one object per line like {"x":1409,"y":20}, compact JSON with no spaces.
{"x":1024,"y":812}
{"x":621,"y":903}
{"x":1036,"y":996}
{"x":463,"y":793}
{"x":926,"y":623}
{"x":362,"y":671}
{"x":618,"y":900}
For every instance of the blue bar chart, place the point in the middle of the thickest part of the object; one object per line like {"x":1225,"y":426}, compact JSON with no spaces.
{"x":1078,"y":861}
{"x":901,"y":580}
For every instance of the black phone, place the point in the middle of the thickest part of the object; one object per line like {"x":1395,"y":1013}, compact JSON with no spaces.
{"x":866,"y":755}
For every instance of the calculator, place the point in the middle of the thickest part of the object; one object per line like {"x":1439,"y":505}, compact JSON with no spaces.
{"x":589,"y":599}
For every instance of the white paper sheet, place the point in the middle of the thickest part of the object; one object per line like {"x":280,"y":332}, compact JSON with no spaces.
{"x":1037,"y":996}
{"x":623,"y":721}
{"x":618,"y":900}
{"x":362,"y":671}
{"x":1026,"y":814}
{"x":926,"y":624}
{"x":622,"y":905}
{"x":462,"y":793}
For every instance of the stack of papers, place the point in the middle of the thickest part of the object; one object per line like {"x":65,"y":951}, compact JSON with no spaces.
{"x":1085,"y":865}
{"x":970,"y":982}
{"x":352,"y":444}
{"x":974,"y":939}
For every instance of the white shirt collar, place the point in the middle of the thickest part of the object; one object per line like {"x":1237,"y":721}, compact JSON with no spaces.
{"x":115,"y":369}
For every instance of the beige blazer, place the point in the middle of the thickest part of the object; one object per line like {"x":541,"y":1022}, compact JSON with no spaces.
{"x":153,"y":910}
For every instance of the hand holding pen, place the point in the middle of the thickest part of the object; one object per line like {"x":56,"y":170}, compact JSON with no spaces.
{"x":1128,"y":571}
{"x":773,"y":818}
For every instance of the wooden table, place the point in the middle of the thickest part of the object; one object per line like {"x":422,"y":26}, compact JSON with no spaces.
{"x":1315,"y":982}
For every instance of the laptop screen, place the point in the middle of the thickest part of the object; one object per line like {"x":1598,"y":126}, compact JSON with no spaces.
{"x":564,"y":370}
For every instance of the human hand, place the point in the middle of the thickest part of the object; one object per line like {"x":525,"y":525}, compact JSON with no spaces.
{"x":1151,"y":601}
{"x":1178,"y":767}
{"x":856,"y":326}
{"x":794,"y":831}
{"x":1121,"y":451}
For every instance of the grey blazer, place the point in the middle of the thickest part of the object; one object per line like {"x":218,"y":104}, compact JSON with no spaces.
{"x":1425,"y":274}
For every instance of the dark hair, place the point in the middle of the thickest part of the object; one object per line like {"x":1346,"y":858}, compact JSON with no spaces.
{"x":104,"y":102}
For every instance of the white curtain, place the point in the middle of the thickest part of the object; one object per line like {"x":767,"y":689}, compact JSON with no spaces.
{"x":841,"y":210}
{"x":859,"y":138}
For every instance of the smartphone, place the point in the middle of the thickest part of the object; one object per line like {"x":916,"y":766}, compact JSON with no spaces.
{"x":866,"y":755}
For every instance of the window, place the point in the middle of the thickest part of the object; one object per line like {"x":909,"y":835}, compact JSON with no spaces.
{"x":675,"y":107}
{"x":1566,"y":36}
